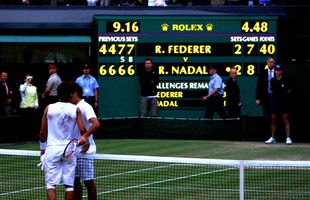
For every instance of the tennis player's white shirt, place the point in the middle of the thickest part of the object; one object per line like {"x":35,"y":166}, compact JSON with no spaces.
{"x":61,"y":118}
{"x":87,"y":112}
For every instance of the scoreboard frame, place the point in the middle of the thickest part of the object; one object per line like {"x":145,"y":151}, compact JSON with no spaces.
{"x":182,"y":49}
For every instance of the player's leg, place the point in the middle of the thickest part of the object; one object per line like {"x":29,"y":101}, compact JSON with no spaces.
{"x":87,"y":175}
{"x":69,"y":192}
{"x":52,"y":171}
{"x":91,"y":189}
{"x":51,"y":193}
{"x":68,"y":176}
{"x":78,"y":190}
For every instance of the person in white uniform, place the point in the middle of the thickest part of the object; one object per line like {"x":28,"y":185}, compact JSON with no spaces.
{"x":57,"y":129}
{"x":85,"y":162}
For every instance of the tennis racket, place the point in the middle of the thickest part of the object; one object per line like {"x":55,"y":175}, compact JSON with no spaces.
{"x":71,"y":147}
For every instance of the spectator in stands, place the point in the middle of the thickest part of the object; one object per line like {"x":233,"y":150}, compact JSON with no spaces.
{"x":263,"y":91}
{"x":141,"y":2}
{"x":233,"y":2}
{"x":92,"y":2}
{"x":185,"y":2}
{"x":281,"y":91}
{"x":29,"y":104}
{"x":264,"y":2}
{"x":90,"y":87}
{"x":50,"y":92}
{"x":201,"y":3}
{"x":233,"y":103}
{"x":161,"y":3}
{"x":6,"y":95}
{"x":36,"y":2}
{"x":148,"y":80}
{"x":214,"y":99}
{"x":29,"y":95}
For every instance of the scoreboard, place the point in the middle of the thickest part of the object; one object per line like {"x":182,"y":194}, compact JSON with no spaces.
{"x":182,"y":49}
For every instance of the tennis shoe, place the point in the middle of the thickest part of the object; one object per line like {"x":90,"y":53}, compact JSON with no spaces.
{"x":271,"y":140}
{"x":288,"y":140}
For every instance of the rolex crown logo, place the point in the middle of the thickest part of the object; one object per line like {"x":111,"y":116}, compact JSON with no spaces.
{"x":165,"y":27}
{"x":209,"y":27}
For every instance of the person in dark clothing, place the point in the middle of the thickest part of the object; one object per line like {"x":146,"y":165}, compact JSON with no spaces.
{"x":233,"y":103}
{"x":148,"y":80}
{"x":214,"y":99}
{"x":263,"y":91}
{"x":279,"y":103}
{"x":6,"y":95}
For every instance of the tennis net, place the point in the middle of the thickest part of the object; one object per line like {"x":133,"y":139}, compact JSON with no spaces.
{"x":150,"y":177}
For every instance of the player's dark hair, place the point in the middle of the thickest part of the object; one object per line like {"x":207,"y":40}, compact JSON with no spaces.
{"x":64,"y":91}
{"x":76,"y":88}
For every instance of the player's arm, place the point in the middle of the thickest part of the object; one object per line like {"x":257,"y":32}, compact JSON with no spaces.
{"x":81,"y":126}
{"x":94,"y":126}
{"x":43,"y":132}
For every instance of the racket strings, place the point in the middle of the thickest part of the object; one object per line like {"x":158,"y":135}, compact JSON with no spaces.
{"x":70,"y":148}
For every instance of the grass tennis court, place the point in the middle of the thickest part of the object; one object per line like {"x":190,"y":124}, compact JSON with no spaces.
{"x":172,"y":180}
{"x":194,"y":149}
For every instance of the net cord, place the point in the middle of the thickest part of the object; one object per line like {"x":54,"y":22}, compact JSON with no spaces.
{"x":180,"y":160}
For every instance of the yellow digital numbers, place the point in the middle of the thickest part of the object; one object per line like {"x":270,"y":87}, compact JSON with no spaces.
{"x":117,"y":49}
{"x":267,"y":49}
{"x":257,"y":27}
{"x":114,"y":70}
{"x":124,"y":27}
{"x":254,"y":49}
{"x":238,"y":67}
{"x":250,"y":69}
{"x":238,"y":49}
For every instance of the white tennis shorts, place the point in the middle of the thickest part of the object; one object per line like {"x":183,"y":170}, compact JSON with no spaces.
{"x":59,"y":169}
{"x":85,"y":169}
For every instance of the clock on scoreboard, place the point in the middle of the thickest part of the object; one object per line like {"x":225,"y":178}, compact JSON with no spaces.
{"x":182,"y":49}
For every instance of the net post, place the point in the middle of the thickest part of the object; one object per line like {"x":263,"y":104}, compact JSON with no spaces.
{"x":241,"y":179}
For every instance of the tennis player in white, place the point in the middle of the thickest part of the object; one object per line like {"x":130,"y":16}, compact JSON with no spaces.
{"x":85,"y":163}
{"x":57,"y":129}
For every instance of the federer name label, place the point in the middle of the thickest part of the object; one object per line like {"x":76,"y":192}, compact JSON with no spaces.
{"x":184,"y":49}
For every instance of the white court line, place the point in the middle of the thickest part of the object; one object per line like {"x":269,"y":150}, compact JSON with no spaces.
{"x":230,"y":190}
{"x":133,"y":171}
{"x":19,"y":191}
{"x":162,"y":181}
{"x":100,"y":177}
